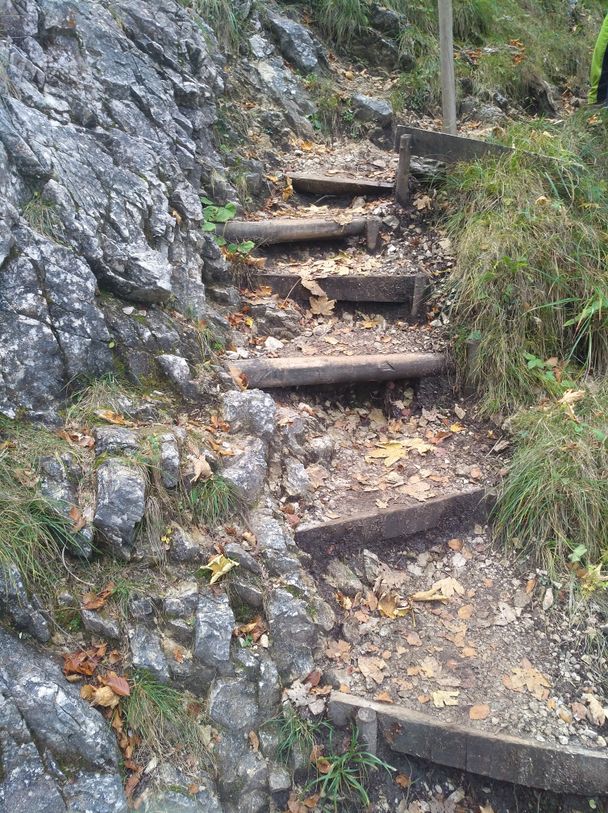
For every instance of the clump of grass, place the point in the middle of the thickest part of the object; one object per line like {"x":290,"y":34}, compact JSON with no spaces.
{"x":296,"y":733}
{"x":530,"y":284}
{"x":344,"y":779}
{"x":33,"y":533}
{"x":158,"y":714}
{"x":341,"y":20}
{"x":214,"y":501}
{"x":220,"y":15}
{"x":105,"y":393}
{"x":41,"y":214}
{"x":554,"y":499}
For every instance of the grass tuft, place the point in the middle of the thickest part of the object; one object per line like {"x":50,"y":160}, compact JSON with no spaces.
{"x":344,"y":779}
{"x":33,"y":534}
{"x":214,"y":501}
{"x":158,"y":714}
{"x":42,"y":217}
{"x":554,"y":500}
{"x":341,"y":20}
{"x":296,"y":733}
{"x":530,"y":284}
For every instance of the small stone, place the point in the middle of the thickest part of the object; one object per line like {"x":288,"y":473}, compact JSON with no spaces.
{"x":184,"y":547}
{"x":368,"y":108}
{"x":114,"y":440}
{"x":245,"y":560}
{"x":181,"y":601}
{"x":248,"y":470}
{"x":292,"y":632}
{"x":169,"y":461}
{"x":340,"y":576}
{"x":252,"y":411}
{"x":121,"y":500}
{"x":232,"y":703}
{"x":99,"y":625}
{"x":296,"y":480}
{"x":147,"y":653}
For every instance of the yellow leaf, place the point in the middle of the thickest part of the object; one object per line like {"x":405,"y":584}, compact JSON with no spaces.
{"x":388,"y":606}
{"x":112,"y":417}
{"x":288,"y":190}
{"x":219,"y":565}
{"x":479,"y":712}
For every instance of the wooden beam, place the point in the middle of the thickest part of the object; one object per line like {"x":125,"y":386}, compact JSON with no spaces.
{"x":520,"y":761}
{"x":368,"y":527}
{"x":402,"y":191}
{"x":299,"y":371}
{"x":317,"y":184}
{"x":293,"y":230}
{"x":447,"y":148}
{"x":393,"y":288}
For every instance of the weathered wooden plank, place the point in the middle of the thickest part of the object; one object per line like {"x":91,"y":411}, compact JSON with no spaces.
{"x":352,"y":288}
{"x":317,"y":184}
{"x":444,"y":147}
{"x":293,"y":230}
{"x":299,"y":371}
{"x":509,"y":759}
{"x":390,"y":523}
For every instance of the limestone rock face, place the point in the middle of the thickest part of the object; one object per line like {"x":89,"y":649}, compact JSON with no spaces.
{"x":46,"y":730}
{"x":104,"y":150}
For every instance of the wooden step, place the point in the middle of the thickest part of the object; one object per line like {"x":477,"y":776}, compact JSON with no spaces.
{"x":294,"y":230}
{"x":392,"y":288}
{"x":299,"y":371}
{"x":555,"y":768}
{"x":366,"y":528}
{"x":318,"y":184}
{"x":446,"y":148}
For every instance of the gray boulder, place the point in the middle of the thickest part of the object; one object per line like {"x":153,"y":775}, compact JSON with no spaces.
{"x":181,"y":600}
{"x":214,"y":623}
{"x":16,"y":605}
{"x":147,"y":653}
{"x":121,"y":502}
{"x":292,"y":632}
{"x":184,"y":548}
{"x":248,"y":469}
{"x":233,"y":703}
{"x":169,"y":460}
{"x":376,"y":111}
{"x":100,"y":625}
{"x":251,"y":411}
{"x":296,"y":43}
{"x":115,"y":440}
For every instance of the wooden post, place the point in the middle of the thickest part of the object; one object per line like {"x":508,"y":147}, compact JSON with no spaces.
{"x":367,"y":723}
{"x":403,"y":170}
{"x":448,"y":80}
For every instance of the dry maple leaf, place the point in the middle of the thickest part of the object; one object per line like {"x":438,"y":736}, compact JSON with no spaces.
{"x":312,"y":287}
{"x":393,"y":450}
{"x":95,"y":601}
{"x":372,"y":668}
{"x":321,"y":305}
{"x":526,"y":677}
{"x":219,"y":566}
{"x":445,"y":698}
{"x":113,"y":417}
{"x":596,"y":712}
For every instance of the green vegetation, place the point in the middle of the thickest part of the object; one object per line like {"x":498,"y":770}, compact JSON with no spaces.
{"x":221,"y":16}
{"x":343,"y":777}
{"x":214,"y":214}
{"x":213,"y":501}
{"x":554,"y":500}
{"x":296,"y":733}
{"x":530,"y":284}
{"x":33,"y":534}
{"x":158,"y":714}
{"x":341,"y":20}
{"x":107,"y":393}
{"x":42,"y":217}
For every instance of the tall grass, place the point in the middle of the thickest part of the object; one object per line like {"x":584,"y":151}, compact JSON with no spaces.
{"x":554,"y":501}
{"x":530,"y":285}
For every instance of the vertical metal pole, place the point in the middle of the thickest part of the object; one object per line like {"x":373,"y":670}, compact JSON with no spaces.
{"x":448,"y":79}
{"x":403,"y":170}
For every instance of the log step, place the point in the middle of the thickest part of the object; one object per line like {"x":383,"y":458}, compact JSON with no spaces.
{"x":508,"y":759}
{"x":294,"y":230}
{"x":366,"y":528}
{"x":391,"y":288}
{"x":318,"y":184}
{"x":298,"y":371}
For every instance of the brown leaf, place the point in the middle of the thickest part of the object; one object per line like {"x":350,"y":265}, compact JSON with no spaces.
{"x":403,"y":780}
{"x":119,"y":685}
{"x":480,"y":711}
{"x":321,"y":305}
{"x":113,"y":417}
{"x":95,"y":601}
{"x":78,"y":521}
{"x":254,"y":741}
{"x":323,"y":765}
{"x":372,"y":668}
{"x":383,"y":697}
{"x":466,"y":611}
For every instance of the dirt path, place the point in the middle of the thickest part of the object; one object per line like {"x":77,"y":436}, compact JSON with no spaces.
{"x":445,"y":625}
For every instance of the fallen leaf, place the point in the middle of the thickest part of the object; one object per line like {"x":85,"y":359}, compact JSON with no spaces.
{"x":526,"y":677}
{"x":113,"y":417}
{"x":595,"y":712}
{"x":254,"y":741}
{"x":372,"y":668}
{"x":312,"y":287}
{"x":201,"y":470}
{"x":403,"y":780}
{"x":414,"y":639}
{"x":445,"y":698}
{"x":480,"y":711}
{"x":78,"y":520}
{"x":118,"y":684}
{"x":383,"y":697}
{"x":95,"y":601}
{"x":219,"y":566}
{"x":321,"y":305}
{"x":389,"y":606}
